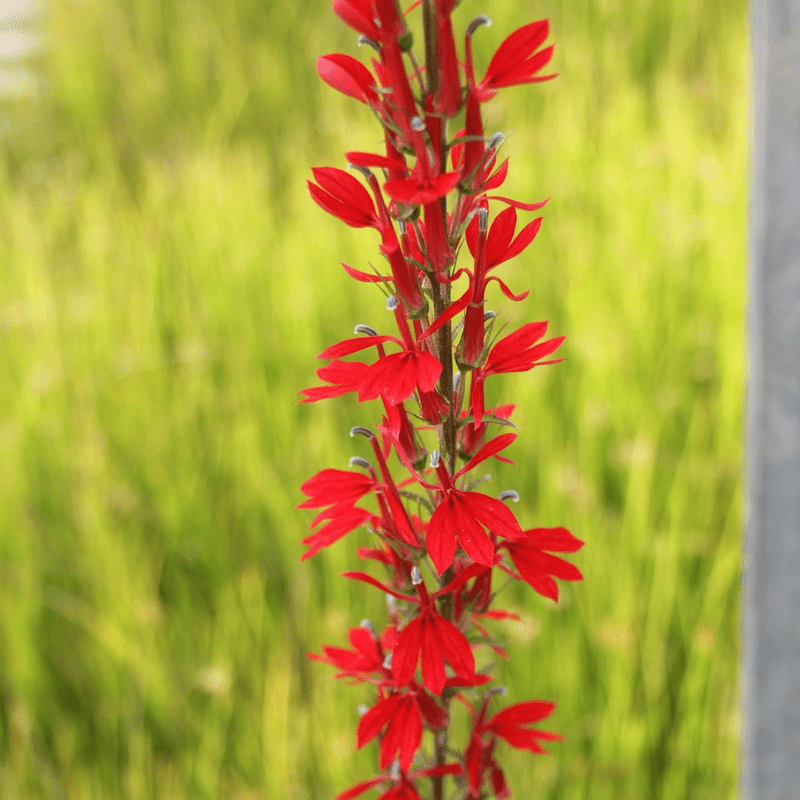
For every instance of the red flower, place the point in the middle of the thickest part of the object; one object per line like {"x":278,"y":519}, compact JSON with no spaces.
{"x":341,"y":195}
{"x":344,"y":375}
{"x":538,"y":567}
{"x":508,"y":724}
{"x":429,"y":639}
{"x":336,"y":487}
{"x":363,"y":662}
{"x":403,"y":715}
{"x":517,"y":352}
{"x":402,"y":787}
{"x":349,"y":76}
{"x":517,"y":60}
{"x":464,"y":515}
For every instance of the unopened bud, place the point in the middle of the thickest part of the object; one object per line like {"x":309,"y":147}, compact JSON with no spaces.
{"x":391,"y":302}
{"x":357,"y":461}
{"x":366,"y":330}
{"x":509,"y":494}
{"x":477,"y":22}
{"x":359,"y":430}
{"x":434,"y":458}
{"x":416,"y":577}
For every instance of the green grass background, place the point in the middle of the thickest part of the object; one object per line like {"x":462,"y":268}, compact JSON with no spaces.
{"x":166,"y":285}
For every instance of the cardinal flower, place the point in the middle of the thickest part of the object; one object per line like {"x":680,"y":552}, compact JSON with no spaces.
{"x":428,"y":640}
{"x":402,"y":714}
{"x":509,"y":725}
{"x":517,"y":352}
{"x":536,"y":566}
{"x":463,"y":515}
{"x":364,"y":662}
{"x":402,"y":784}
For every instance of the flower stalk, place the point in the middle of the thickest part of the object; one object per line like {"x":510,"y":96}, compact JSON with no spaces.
{"x":438,"y":538}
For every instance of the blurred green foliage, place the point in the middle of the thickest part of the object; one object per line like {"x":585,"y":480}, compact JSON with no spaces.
{"x":166,"y":286}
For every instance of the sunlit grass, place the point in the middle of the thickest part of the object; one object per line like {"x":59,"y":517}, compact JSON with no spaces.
{"x":166,"y":286}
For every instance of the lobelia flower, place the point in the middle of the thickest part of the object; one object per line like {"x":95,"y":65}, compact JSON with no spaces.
{"x":508,"y":724}
{"x":402,"y":784}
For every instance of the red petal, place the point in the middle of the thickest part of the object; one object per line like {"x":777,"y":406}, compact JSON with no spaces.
{"x":455,"y":647}
{"x":494,"y":514}
{"x":404,"y":734}
{"x":406,"y":654}
{"x":487,"y":451}
{"x":432,"y":657}
{"x":348,"y":76}
{"x":559,"y":540}
{"x":441,"y":540}
{"x":372,"y":723}
{"x":349,"y":346}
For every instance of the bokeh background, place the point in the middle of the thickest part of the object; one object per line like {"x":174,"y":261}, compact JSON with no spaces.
{"x":166,"y":284}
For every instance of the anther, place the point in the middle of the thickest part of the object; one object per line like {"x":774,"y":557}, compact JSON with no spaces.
{"x":495,"y":142}
{"x":434,"y":458}
{"x":359,"y":430}
{"x":456,"y":381}
{"x":509,"y":494}
{"x":496,"y":690}
{"x":357,"y":461}
{"x":369,"y":42}
{"x":487,"y":315}
{"x":417,"y":124}
{"x":387,"y":662}
{"x":365,"y":329}
{"x":362,"y":709}
{"x":367,"y":625}
{"x":416,"y":577}
{"x":477,"y":22}
{"x":391,"y":302}
{"x":483,"y":220}
{"x":367,"y":173}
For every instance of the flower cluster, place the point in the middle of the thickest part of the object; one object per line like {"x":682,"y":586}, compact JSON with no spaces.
{"x":439,"y":541}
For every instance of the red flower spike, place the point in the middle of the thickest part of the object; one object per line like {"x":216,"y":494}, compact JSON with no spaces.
{"x":421,"y":211}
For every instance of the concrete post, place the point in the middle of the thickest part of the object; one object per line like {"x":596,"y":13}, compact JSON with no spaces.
{"x":771,"y":598}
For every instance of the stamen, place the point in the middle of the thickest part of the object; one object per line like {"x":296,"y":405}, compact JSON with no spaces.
{"x":477,"y":22}
{"x":509,"y":494}
{"x":434,"y":458}
{"x":391,"y":303}
{"x":357,"y":461}
{"x":416,"y":577}
{"x":365,"y":329}
{"x":359,"y":430}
